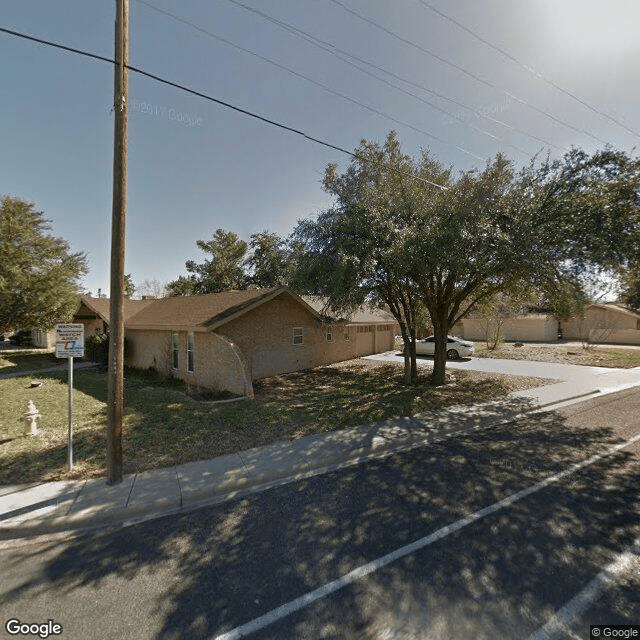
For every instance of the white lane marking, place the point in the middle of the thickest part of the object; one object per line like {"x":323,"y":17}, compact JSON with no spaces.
{"x":560,"y":623}
{"x":308,"y":598}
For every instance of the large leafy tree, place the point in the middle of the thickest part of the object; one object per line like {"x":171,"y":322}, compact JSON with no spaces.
{"x":356,"y":251}
{"x":630,"y":285}
{"x":470,"y":242}
{"x":129,"y":287}
{"x":588,"y":210}
{"x":38,"y":273}
{"x":269,"y":260}
{"x":223,"y":271}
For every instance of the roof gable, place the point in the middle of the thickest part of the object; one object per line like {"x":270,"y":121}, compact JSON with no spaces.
{"x":616,"y":307}
{"x":207,"y":311}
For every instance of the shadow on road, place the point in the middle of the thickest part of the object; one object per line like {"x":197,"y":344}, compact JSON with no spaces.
{"x":502,"y":576}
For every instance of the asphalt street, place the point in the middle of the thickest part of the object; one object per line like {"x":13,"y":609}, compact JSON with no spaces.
{"x":525,"y":530}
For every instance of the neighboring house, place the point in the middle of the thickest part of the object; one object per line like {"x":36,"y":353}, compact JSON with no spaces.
{"x":600,"y":323}
{"x":604,"y":323}
{"x":227,"y":340}
{"x":93,"y":313}
{"x":43,"y":339}
{"x":528,"y":328}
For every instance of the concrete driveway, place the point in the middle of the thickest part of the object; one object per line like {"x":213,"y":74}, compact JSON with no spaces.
{"x":574,"y":380}
{"x":554,"y":370}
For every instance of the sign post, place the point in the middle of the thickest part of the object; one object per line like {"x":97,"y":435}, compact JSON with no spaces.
{"x":70,"y":344}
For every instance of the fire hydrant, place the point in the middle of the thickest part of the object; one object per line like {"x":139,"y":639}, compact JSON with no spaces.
{"x":30,"y":419}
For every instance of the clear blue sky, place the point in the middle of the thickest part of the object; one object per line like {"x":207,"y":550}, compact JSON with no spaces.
{"x":195,"y":166}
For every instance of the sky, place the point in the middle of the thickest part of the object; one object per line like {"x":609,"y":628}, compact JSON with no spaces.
{"x":464,"y":80}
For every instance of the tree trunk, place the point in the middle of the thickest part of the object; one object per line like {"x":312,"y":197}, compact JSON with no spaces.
{"x":440,"y":354}
{"x":406,"y":352}
{"x":407,"y":361}
{"x":413,"y":363}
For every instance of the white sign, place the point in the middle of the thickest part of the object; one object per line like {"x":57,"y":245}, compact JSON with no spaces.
{"x":69,"y":340}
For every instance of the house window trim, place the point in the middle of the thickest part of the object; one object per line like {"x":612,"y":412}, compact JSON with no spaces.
{"x":297,"y":339}
{"x":191,"y":353}
{"x":328,"y":334}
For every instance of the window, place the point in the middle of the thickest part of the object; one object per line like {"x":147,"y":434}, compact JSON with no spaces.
{"x":366,"y":328}
{"x":297,"y":335}
{"x":175,"y":347}
{"x":345,"y":335}
{"x":191,"y":362}
{"x":328,"y":336}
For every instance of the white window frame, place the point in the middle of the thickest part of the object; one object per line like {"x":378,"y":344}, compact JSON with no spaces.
{"x":328,"y":334}
{"x":191,"y":352}
{"x":297,"y":336}
{"x":345,"y":334}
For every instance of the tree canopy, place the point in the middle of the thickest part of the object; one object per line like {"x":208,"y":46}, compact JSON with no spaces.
{"x":407,"y":232}
{"x":235,"y":264}
{"x":38,"y":272}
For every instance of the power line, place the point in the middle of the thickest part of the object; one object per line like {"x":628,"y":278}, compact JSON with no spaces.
{"x":332,"y":49}
{"x":321,"y":85}
{"x":228,"y":105}
{"x":528,"y":68}
{"x":464,"y":71}
{"x":343,"y":57}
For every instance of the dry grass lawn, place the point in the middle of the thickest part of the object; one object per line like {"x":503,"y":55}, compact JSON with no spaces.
{"x":164,"y":425}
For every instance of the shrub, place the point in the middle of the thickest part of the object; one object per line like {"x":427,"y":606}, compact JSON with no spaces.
{"x":97,"y":347}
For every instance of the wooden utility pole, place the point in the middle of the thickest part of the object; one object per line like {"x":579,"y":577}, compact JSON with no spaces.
{"x":115,"y":391}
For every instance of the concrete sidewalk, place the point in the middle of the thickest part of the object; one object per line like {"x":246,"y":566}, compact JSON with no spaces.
{"x":77,"y":366}
{"x":71,"y":505}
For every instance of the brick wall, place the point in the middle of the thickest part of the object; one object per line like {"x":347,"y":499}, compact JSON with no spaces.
{"x":259,"y":343}
{"x":218,"y":364}
{"x":265,"y":336}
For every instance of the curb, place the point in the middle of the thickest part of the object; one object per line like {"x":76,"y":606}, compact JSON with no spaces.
{"x":552,"y":403}
{"x":122,"y":517}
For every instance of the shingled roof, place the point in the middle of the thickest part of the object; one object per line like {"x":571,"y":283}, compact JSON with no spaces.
{"x":366,"y":314}
{"x":100,"y":307}
{"x":207,"y":311}
{"x":211,"y":310}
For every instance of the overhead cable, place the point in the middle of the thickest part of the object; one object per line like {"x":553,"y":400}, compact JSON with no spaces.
{"x":334,"y":50}
{"x":321,"y":85}
{"x":228,"y":105}
{"x":468,"y":73}
{"x":344,"y":57}
{"x":528,"y":68}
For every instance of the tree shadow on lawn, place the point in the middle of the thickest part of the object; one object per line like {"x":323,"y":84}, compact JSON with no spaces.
{"x":18,"y":359}
{"x":501,"y":576}
{"x":164,"y":426}
{"x":330,"y":397}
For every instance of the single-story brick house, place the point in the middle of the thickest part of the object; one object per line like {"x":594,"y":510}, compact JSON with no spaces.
{"x":227,"y":340}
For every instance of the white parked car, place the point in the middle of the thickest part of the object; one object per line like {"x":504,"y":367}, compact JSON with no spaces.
{"x":456,"y":347}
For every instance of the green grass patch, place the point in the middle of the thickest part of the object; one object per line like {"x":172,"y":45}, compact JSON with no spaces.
{"x":164,"y":425}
